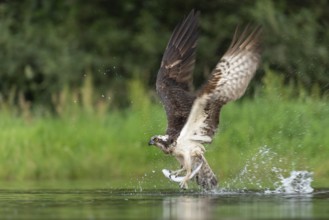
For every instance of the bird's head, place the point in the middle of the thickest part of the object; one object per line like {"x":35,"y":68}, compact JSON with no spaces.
{"x":161,"y":141}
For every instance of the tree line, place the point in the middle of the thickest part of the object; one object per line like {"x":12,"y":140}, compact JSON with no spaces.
{"x":47,"y":45}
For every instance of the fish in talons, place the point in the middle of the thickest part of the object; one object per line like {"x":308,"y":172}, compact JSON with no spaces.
{"x":173,"y":175}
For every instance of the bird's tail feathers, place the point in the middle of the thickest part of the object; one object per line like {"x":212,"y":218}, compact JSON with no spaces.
{"x":206,"y":178}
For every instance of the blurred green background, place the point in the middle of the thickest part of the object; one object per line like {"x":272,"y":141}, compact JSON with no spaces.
{"x":78,"y":101}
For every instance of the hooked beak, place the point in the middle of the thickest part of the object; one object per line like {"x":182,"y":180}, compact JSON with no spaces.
{"x":151,"y":142}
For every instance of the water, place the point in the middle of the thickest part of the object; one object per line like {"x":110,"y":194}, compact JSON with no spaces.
{"x":267,"y":171}
{"x":160,"y":204}
{"x":294,"y":198}
{"x":287,"y":195}
{"x":297,"y":182}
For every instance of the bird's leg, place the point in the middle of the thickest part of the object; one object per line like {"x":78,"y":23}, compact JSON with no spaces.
{"x":196,"y":157}
{"x":188,"y":167}
{"x":196,"y":154}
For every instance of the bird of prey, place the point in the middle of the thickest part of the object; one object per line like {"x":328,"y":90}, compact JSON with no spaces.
{"x":193,"y":117}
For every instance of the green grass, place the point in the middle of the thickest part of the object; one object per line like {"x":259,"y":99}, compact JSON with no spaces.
{"x":280,"y":129}
{"x":86,"y":146}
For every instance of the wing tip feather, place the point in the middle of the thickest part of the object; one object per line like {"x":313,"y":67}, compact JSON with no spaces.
{"x":248,"y":39}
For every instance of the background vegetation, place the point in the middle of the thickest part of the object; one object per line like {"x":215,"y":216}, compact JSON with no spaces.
{"x":48,"y":45}
{"x":77,"y":98}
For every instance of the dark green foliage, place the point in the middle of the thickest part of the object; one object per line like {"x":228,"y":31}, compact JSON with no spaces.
{"x":47,"y":45}
{"x":297,"y":40}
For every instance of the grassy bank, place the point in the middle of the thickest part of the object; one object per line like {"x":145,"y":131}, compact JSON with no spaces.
{"x":279,"y":130}
{"x":86,"y":145}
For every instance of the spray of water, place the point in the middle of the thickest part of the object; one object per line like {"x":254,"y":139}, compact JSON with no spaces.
{"x":265,"y":172}
{"x":297,"y":182}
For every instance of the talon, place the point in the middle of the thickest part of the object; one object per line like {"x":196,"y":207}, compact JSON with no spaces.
{"x":183,"y":183}
{"x":182,"y":180}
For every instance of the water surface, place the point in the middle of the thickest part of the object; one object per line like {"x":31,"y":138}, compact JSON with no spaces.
{"x":160,"y":204}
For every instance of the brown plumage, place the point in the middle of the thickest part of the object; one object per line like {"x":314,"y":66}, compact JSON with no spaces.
{"x":194,"y":117}
{"x":174,"y":80}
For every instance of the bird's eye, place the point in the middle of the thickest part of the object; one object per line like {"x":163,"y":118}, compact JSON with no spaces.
{"x":156,"y":139}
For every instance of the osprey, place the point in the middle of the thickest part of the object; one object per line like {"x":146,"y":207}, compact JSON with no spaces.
{"x":193,"y":117}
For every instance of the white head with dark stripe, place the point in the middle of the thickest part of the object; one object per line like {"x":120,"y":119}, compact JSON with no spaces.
{"x":162,"y":141}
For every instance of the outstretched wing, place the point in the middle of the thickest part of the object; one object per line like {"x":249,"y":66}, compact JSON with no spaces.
{"x":227,"y":82}
{"x":174,"y":80}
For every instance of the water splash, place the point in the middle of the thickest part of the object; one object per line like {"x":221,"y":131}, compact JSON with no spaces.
{"x":297,"y":182}
{"x":265,"y":172}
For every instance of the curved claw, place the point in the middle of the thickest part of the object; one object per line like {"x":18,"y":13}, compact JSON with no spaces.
{"x":183,"y":184}
{"x":179,"y":179}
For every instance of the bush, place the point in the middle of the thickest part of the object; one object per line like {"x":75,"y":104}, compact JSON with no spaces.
{"x":49,"y":45}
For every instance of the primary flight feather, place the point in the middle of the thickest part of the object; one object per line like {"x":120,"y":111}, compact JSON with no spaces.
{"x":194,"y":117}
